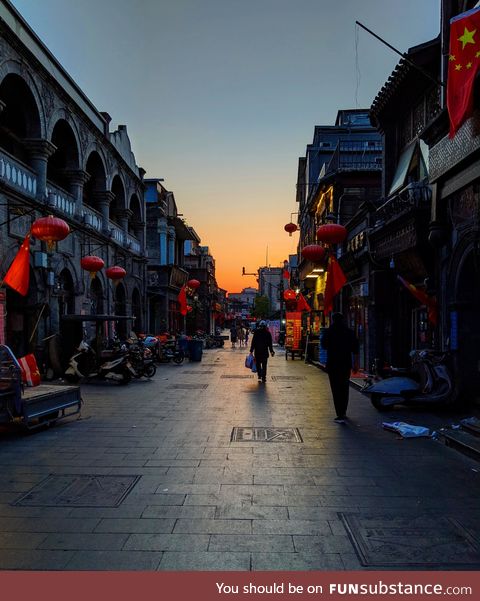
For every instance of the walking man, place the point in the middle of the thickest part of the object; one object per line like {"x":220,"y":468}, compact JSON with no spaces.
{"x":233,"y":335}
{"x":261,"y":345}
{"x":342,"y":349}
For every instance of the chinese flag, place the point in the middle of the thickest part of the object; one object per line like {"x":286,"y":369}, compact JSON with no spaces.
{"x":336,"y":279}
{"x":463,"y":65}
{"x":18,"y":275}
{"x":182,"y":300}
{"x":302,"y":304}
{"x":429,"y":301}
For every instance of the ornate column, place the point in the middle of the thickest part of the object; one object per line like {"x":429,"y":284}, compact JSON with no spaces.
{"x":102,"y":200}
{"x":77,"y":178}
{"x":162,"y":242}
{"x":122,"y":216}
{"x":171,"y":245}
{"x":40,"y":150}
{"x":139,"y":232}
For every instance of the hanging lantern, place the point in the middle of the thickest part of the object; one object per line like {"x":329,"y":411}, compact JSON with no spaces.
{"x":331,"y":233}
{"x":115,"y":274}
{"x":290,"y":228}
{"x":194,"y":284}
{"x":289,"y":294}
{"x":314,"y":253}
{"x":50,"y":230}
{"x":92,"y":264}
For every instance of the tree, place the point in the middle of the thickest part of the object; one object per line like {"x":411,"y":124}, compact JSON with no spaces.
{"x":262,"y":306}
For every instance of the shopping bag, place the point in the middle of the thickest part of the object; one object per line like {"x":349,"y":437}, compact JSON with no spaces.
{"x":30,"y":371}
{"x":249,"y":361}
{"x":254,"y":366}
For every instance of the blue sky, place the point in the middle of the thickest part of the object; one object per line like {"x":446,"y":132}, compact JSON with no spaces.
{"x":220,"y":97}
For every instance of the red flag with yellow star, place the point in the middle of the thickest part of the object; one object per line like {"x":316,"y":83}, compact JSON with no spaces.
{"x":463,"y":65}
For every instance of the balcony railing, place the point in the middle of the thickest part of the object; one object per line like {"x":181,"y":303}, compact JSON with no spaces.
{"x":18,"y":175}
{"x":92,"y":218}
{"x":23,"y":179}
{"x":61,"y":200}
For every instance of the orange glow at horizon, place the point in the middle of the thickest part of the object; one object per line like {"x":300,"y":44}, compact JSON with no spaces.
{"x":247,"y":248}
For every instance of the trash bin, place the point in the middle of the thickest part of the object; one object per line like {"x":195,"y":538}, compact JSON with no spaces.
{"x":195,"y":350}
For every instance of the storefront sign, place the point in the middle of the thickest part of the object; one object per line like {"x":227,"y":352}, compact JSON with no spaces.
{"x":293,"y":336}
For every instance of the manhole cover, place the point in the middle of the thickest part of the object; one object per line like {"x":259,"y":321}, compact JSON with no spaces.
{"x":79,"y":491}
{"x":287,"y":378}
{"x":421,"y":541}
{"x":197,"y":372}
{"x":237,"y":377}
{"x":266,"y":435}
{"x":187,"y":386}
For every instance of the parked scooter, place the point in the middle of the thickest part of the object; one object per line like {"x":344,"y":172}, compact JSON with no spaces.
{"x":141,"y":360}
{"x":85,"y":364}
{"x":431,"y":383}
{"x":170,"y":352}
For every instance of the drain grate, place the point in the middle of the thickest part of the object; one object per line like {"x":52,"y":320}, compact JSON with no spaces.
{"x":288,"y":378}
{"x":237,"y":377}
{"x":198,"y":371}
{"x":266,"y":435}
{"x":187,"y":387}
{"x":421,"y":541}
{"x":84,"y":490}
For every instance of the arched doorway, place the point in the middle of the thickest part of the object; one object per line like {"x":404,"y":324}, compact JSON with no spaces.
{"x":121,"y":309}
{"x":19,"y":119}
{"x":65,"y":157}
{"x":467,"y":336}
{"x":96,"y":297}
{"x":137,"y":311}
{"x":136,"y":218}
{"x":96,"y":180}
{"x":117,"y":205}
{"x":66,"y":293}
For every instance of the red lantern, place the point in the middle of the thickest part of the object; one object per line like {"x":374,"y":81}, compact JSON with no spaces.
{"x":332,"y":233}
{"x":289,"y":294}
{"x":189,"y":309}
{"x":290,"y":228}
{"x":194,"y":284}
{"x":116,"y":273}
{"x":50,"y":230}
{"x":314,"y":253}
{"x":92,"y":264}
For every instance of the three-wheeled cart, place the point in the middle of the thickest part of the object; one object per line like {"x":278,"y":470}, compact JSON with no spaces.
{"x":32,"y":407}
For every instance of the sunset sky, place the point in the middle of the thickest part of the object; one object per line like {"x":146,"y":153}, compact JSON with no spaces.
{"x":220,"y":97}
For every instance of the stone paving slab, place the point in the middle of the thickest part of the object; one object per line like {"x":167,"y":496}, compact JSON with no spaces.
{"x":203,"y":502}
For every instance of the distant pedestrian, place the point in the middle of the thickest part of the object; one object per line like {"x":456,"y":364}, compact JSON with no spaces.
{"x":261,"y":345}
{"x":233,"y":335}
{"x":247,"y":332}
{"x":342,"y":349}
{"x":241,"y":335}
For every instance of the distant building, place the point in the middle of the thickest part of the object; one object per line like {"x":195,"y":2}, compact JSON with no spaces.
{"x":270,"y":285}
{"x":206,"y":305}
{"x":241,"y":303}
{"x":167,"y":234}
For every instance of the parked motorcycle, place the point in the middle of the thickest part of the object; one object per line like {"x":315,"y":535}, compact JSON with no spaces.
{"x":141,"y":361}
{"x":429,"y":382}
{"x":85,"y":364}
{"x":170,"y":352}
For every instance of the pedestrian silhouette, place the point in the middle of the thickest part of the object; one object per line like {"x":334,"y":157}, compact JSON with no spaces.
{"x":342,"y":349}
{"x":261,"y":345}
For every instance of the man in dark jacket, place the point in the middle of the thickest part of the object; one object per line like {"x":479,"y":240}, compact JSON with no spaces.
{"x":261,"y":344}
{"x":341,"y":345}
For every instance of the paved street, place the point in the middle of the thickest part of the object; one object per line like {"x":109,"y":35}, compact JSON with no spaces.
{"x":181,"y":496}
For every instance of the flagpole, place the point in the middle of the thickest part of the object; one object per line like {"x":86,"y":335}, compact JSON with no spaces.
{"x":404,"y":55}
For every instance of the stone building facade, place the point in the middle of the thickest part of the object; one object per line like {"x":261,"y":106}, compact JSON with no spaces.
{"x":59,"y":157}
